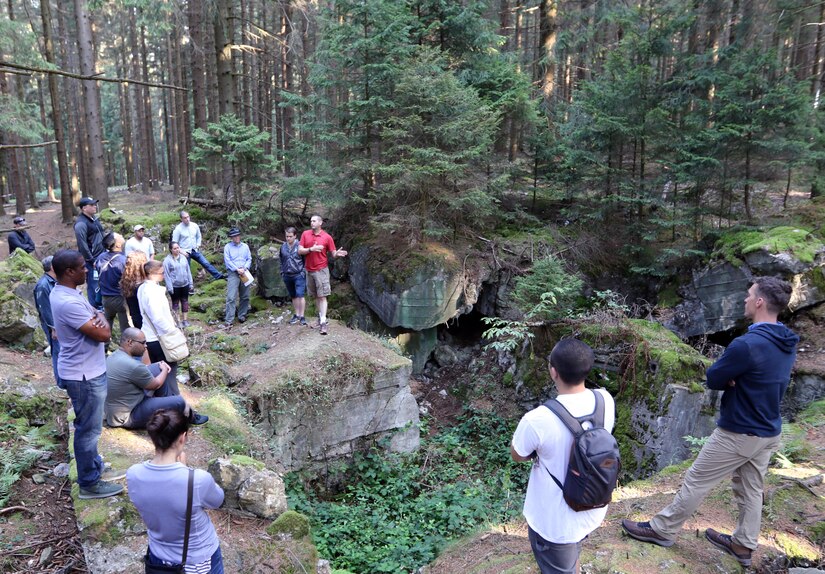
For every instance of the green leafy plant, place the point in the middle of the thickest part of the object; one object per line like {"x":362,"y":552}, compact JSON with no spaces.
{"x":461,"y":479}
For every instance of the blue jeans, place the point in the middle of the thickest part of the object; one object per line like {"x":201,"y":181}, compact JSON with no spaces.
{"x":96,"y":299}
{"x":233,"y":287}
{"x":216,"y":561}
{"x":88,"y":397}
{"x":141,"y":414}
{"x":198,"y":256}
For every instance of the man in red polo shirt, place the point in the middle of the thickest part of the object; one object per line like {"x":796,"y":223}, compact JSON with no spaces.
{"x":315,"y":245}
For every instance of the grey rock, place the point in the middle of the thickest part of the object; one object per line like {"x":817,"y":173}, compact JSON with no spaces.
{"x":38,"y":479}
{"x":46,"y":556}
{"x":270,"y":283}
{"x":803,"y":390}
{"x":445,"y":356}
{"x":323,"y":567}
{"x":263,"y":495}
{"x":805,"y":571}
{"x":61,"y":470}
{"x":230,"y":477}
{"x":359,"y":413}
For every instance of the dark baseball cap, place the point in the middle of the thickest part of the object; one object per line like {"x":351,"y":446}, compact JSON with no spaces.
{"x":19,"y":220}
{"x":234,"y":232}
{"x":88,"y":201}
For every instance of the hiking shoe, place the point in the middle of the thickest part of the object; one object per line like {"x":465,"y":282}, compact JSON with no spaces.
{"x":102,"y":489}
{"x":325,"y":328}
{"x":725,"y":542}
{"x":295,"y":320}
{"x":109,"y":474}
{"x":185,"y":324}
{"x":303,"y":322}
{"x":197,"y":418}
{"x":642,"y":531}
{"x":242,"y":319}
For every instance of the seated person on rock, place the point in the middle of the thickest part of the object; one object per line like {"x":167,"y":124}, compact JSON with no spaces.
{"x":137,"y":390}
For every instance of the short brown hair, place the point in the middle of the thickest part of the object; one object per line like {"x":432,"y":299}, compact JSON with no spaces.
{"x":775,"y":292}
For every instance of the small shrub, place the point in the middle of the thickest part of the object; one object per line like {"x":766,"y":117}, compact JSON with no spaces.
{"x":548,"y":291}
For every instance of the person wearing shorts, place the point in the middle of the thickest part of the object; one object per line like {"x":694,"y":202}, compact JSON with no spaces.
{"x":315,"y":245}
{"x":292,"y":272}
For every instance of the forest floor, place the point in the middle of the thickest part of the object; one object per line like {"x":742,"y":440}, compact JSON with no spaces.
{"x":39,"y":526}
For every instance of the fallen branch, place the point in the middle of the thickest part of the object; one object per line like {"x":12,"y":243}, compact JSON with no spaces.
{"x":95,"y":77}
{"x":16,"y":508}
{"x":807,"y":484}
{"x":38,"y":544}
{"x":23,"y":146}
{"x":200,"y":201}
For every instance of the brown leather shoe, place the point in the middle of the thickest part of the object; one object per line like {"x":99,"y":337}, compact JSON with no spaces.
{"x":642,"y":531}
{"x":725,"y":542}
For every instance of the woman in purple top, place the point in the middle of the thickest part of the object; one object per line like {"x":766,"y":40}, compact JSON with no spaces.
{"x":158,"y":489}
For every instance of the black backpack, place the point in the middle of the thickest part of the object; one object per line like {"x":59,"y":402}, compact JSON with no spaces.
{"x":594,"y":464}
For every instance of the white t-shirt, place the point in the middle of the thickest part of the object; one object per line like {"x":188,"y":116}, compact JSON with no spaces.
{"x":542,"y":431}
{"x":145,"y":245}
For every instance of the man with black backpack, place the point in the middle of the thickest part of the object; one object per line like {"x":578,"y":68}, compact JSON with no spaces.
{"x":561,"y":514}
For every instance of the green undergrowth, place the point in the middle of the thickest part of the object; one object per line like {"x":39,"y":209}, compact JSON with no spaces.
{"x":400,"y":510}
{"x":27,"y":431}
{"x":801,"y":242}
{"x":227,"y":428}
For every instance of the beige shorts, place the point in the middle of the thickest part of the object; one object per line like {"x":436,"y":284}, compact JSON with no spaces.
{"x":318,"y":283}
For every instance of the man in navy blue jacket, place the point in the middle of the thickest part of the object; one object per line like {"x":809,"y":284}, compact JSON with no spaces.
{"x":754,"y":373}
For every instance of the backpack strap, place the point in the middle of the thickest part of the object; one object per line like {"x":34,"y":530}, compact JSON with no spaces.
{"x":574,"y":424}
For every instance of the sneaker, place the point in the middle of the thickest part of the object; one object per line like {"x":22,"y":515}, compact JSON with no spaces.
{"x":725,"y":542}
{"x":185,"y":324}
{"x":102,"y":489}
{"x":642,"y":531}
{"x":325,"y":328}
{"x":242,"y":319}
{"x":197,"y":418}
{"x":303,"y":322}
{"x":295,"y":320}
{"x":191,"y":290}
{"x":109,"y":474}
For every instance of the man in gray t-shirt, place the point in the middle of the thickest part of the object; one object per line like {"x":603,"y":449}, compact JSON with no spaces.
{"x":136,"y":390}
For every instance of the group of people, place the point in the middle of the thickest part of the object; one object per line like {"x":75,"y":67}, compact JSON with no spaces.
{"x":753,"y":373}
{"x":136,"y":386}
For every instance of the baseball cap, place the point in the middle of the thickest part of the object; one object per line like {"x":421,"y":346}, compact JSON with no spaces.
{"x":234,"y":232}
{"x":137,"y":227}
{"x":19,"y":219}
{"x":88,"y":201}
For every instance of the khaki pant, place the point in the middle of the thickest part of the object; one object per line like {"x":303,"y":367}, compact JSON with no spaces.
{"x":746,"y":457}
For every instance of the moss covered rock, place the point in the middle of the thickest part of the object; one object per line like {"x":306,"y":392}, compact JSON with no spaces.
{"x":291,"y":523}
{"x":19,"y":322}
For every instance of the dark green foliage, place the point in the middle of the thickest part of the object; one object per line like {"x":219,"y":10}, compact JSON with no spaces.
{"x":548,"y":291}
{"x":400,"y":510}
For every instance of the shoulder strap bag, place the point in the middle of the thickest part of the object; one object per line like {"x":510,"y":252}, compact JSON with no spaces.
{"x":173,"y":343}
{"x":179,"y":568}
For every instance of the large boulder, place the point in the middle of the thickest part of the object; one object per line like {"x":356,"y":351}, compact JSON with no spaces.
{"x":713,"y":300}
{"x":19,"y":322}
{"x":270,"y":283}
{"x":416,"y":290}
{"x":249,"y":486}
{"x":327,"y":397}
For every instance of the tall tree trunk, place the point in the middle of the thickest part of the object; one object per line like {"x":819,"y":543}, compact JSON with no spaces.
{"x":195,"y":15}
{"x":9,"y":157}
{"x":226,"y":85}
{"x":74,"y":119}
{"x":169,"y":127}
{"x":154,"y":176}
{"x":125,"y":113}
{"x":548,"y":28}
{"x":182,"y":115}
{"x":66,"y":204}
{"x":144,"y":129}
{"x":48,"y":155}
{"x":91,"y":105}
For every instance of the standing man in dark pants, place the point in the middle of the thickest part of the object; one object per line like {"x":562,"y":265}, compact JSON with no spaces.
{"x":88,"y":231}
{"x":754,"y":373}
{"x":187,"y":234}
{"x":42,"y":291}
{"x":83,"y":333}
{"x":20,"y":238}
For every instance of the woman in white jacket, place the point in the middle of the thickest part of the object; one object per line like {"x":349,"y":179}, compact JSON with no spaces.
{"x":157,"y":319}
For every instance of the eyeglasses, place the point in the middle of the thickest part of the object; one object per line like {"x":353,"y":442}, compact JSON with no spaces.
{"x":139,"y":342}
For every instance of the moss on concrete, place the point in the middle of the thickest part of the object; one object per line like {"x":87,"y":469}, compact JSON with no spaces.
{"x":227,"y":428}
{"x":799,"y":241}
{"x":242,"y":460}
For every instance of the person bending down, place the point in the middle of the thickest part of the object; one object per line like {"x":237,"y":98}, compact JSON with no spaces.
{"x":136,"y":390}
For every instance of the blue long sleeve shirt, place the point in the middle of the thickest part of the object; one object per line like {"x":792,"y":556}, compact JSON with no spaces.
{"x":42,"y":290}
{"x":237,"y":256}
{"x":760,"y":363}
